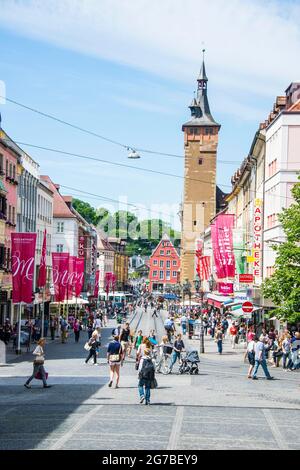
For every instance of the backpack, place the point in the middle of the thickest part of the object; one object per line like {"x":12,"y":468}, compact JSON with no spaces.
{"x":147,"y":371}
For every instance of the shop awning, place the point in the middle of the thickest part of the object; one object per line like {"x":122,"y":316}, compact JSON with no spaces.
{"x":217,"y":300}
{"x":239,"y":312}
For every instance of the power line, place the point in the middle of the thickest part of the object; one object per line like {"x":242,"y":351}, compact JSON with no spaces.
{"x":102,"y":137}
{"x":148,"y":170}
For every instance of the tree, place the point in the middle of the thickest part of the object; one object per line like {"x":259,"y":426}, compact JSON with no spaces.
{"x":283,"y":287}
{"x":86,"y":211}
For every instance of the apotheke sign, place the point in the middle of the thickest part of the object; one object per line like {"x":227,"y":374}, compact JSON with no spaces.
{"x":257,"y":233}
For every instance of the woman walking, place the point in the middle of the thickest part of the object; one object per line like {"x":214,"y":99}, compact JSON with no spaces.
{"x":94,"y":344}
{"x":114,"y":357}
{"x":219,"y":339}
{"x":76,"y":329}
{"x":146,"y":377}
{"x":38,"y":365}
{"x":250,"y":353}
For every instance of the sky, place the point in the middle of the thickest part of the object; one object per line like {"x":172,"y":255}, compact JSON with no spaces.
{"x":127,"y":69}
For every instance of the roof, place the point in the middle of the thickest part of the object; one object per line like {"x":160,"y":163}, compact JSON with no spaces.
{"x":60,"y":208}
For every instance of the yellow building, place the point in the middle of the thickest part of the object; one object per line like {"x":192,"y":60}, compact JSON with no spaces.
{"x":121,"y":262}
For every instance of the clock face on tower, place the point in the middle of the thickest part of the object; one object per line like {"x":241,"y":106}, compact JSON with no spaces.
{"x":202,"y":85}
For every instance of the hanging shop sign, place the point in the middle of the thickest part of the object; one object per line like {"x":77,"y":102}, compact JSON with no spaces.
{"x":257,"y":243}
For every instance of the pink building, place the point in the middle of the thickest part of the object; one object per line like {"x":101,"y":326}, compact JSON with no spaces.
{"x":164,"y":265}
{"x":9,"y":159}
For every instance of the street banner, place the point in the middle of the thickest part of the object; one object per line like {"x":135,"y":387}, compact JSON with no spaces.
{"x":225,"y":288}
{"x":96,"y":289}
{"x":22,"y":261}
{"x":222,"y":242}
{"x":41,"y":282}
{"x":107,"y":282}
{"x":79,"y":277}
{"x":203,"y":268}
{"x":60,"y":272}
{"x":72,"y":276}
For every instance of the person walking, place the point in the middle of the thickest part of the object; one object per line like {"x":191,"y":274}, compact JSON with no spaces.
{"x":90,"y":329}
{"x":114,"y":358}
{"x":295,"y":348}
{"x":146,"y":377}
{"x":260,"y":358}
{"x":53,"y":326}
{"x":250,"y":353}
{"x":124,"y":339}
{"x":63,"y":329}
{"x":76,"y":329}
{"x":154,"y":313}
{"x":177,"y":350}
{"x":183,"y":322}
{"x":286,"y":349}
{"x":233,"y":335}
{"x":38,"y":365}
{"x":94,"y":344}
{"x":219,"y":336}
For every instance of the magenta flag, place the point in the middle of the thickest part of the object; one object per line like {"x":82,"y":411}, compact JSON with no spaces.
{"x":22,"y":262}
{"x":72,"y":276}
{"x":41,"y":282}
{"x":60,"y":271}
{"x":107,"y":282}
{"x":222,"y":243}
{"x":96,"y":289}
{"x":79,"y":276}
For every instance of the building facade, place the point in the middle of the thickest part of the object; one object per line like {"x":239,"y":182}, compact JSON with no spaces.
{"x":105,"y":259}
{"x":164,"y":266}
{"x":199,"y":206}
{"x":121,"y":262}
{"x":44,"y":222}
{"x":9,"y":180}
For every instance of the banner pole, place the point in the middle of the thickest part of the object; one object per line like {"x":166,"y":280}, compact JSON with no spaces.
{"x":18,"y":351}
{"x":43,"y":313}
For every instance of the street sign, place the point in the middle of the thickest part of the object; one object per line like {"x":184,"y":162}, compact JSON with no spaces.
{"x":247,"y":307}
{"x":246,"y":278}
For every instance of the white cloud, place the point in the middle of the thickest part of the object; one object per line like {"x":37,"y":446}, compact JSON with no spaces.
{"x":252,"y":46}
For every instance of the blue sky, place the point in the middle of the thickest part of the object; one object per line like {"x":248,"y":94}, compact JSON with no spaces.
{"x":127,"y":70}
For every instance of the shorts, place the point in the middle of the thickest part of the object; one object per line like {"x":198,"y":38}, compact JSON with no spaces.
{"x":124,"y":345}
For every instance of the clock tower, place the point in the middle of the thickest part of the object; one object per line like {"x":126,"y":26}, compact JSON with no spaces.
{"x":200,"y":191}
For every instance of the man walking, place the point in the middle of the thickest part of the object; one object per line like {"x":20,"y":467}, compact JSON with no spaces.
{"x":260,"y":358}
{"x":154,"y":313}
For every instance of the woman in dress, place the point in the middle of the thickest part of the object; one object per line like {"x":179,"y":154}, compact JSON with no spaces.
{"x":114,"y":358}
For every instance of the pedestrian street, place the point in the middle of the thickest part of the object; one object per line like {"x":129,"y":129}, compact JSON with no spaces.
{"x":218,"y":409}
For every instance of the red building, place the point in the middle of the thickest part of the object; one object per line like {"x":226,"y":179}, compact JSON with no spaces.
{"x":164,"y":265}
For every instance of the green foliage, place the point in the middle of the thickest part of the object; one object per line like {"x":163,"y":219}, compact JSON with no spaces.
{"x":283,"y":287}
{"x":142,"y":236}
{"x":86,"y":211}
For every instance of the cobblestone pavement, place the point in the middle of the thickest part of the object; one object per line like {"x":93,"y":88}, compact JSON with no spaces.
{"x":219,"y":409}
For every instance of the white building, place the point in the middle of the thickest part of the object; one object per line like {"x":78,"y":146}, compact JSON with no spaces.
{"x":105,"y":259}
{"x":65,"y":232}
{"x":44,"y":222}
{"x":281,"y":166}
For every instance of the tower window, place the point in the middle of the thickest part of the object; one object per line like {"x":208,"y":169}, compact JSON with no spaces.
{"x":209,"y":131}
{"x":195,"y":223}
{"x":200,"y":161}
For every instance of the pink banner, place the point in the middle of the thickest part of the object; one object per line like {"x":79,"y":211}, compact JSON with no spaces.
{"x":22,"y":261}
{"x":222,"y":244}
{"x":96,"y":289}
{"x":107,"y":282}
{"x":60,"y":272}
{"x":225,"y":288}
{"x":79,"y":278}
{"x":43,"y":264}
{"x":72,"y":276}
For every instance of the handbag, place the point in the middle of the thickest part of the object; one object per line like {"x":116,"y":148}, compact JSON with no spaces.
{"x":154,"y":384}
{"x":39,"y":376}
{"x":114,"y":358}
{"x":87,"y":347}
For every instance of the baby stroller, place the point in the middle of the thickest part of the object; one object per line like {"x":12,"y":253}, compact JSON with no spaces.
{"x":190,"y":363}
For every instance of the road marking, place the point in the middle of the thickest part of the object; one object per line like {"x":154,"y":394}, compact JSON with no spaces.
{"x":69,"y":435}
{"x":281,"y":442}
{"x":176,"y":428}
